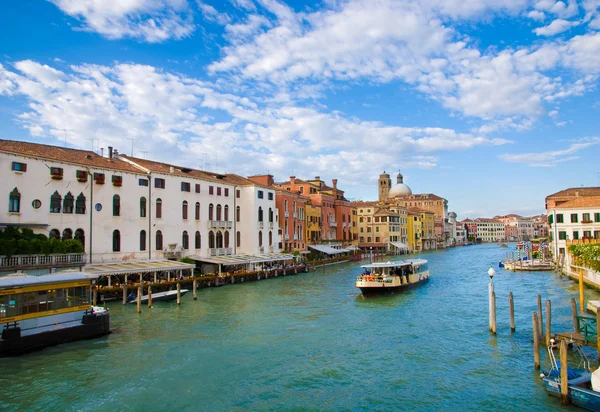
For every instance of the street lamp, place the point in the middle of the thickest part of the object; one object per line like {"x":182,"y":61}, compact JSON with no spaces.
{"x":371,"y":253}
{"x":491,"y":272}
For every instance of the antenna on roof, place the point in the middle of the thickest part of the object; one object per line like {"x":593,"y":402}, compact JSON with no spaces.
{"x":93,"y":139}
{"x":129,"y":138}
{"x":145,"y":152}
{"x":65,"y":137}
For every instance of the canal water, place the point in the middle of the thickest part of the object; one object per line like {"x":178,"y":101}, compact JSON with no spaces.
{"x":310,"y":342}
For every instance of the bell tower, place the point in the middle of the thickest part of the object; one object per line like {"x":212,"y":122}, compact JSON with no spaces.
{"x":385,"y":182}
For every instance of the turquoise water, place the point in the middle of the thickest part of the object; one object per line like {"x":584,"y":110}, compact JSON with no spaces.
{"x":309,"y":342}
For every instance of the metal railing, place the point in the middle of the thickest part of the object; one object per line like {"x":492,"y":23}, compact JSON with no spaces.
{"x":270,"y":225}
{"x":287,"y":236}
{"x":332,"y":224}
{"x":261,"y":225}
{"x":271,"y":249}
{"x":30,"y":261}
{"x":261,"y":249}
{"x":286,"y":214}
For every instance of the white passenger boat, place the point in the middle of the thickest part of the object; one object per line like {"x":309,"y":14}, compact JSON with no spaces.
{"x":385,"y":277}
{"x":41,"y":311}
{"x":158,"y":297}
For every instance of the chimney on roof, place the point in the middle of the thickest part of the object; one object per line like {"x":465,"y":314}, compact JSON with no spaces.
{"x":115,"y":153}
{"x":172,"y":169}
{"x":334,"y":181}
{"x":102,"y":152}
{"x":317,"y":177}
{"x":110,"y":152}
{"x":292,"y":180}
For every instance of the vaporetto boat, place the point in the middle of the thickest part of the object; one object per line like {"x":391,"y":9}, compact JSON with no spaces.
{"x":41,"y":311}
{"x":385,"y":277}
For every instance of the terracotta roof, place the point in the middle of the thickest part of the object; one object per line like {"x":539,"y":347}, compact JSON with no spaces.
{"x":577,"y":191}
{"x":579,"y":202}
{"x":486,"y":220}
{"x":65,"y":155}
{"x":419,"y":210}
{"x":421,"y":196}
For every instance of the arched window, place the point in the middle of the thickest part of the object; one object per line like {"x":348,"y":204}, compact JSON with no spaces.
{"x":55,"y":233}
{"x":68,"y":203}
{"x":260,"y":214}
{"x":219,"y":239}
{"x":185,"y":240}
{"x":14,"y":201}
{"x":67,"y":234}
{"x":55,"y":201}
{"x":197,"y":243}
{"x":80,"y":236}
{"x":218,"y":212}
{"x":270,"y":215}
{"x":226,"y":239}
{"x":226,"y":213}
{"x":184,"y":210}
{"x":197,"y":211}
{"x":80,"y":205}
{"x":270,"y":238}
{"x":295,"y":207}
{"x":159,"y":211}
{"x":142,"y":240}
{"x":116,"y":205}
{"x":210,"y":211}
{"x":237,"y":214}
{"x":260,"y":238}
{"x":116,"y":241}
{"x":142,"y":206}
{"x":211,"y":240}
{"x":238,"y":239}
{"x":159,"y":240}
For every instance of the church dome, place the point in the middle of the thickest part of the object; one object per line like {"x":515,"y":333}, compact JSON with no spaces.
{"x":400,"y":189}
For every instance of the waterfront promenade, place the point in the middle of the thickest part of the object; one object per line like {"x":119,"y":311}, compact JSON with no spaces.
{"x":310,"y":342}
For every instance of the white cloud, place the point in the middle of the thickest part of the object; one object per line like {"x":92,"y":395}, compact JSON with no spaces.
{"x":551,"y":158}
{"x":211,"y":14}
{"x":536,"y":15}
{"x":148,"y":20}
{"x":174,"y":116}
{"x":556,"y":27}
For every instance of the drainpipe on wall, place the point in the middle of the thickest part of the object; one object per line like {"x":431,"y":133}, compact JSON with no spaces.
{"x":149,"y":216}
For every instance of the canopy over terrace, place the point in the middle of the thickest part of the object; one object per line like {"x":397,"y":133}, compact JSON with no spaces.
{"x":401,"y":246}
{"x":242,"y":259}
{"x":128,"y":268}
{"x":327,"y":249}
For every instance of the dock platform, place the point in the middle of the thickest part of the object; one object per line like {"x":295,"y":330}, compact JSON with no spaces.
{"x":528,"y":266}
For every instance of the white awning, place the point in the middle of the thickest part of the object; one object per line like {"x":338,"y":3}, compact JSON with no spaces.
{"x":243,"y":258}
{"x":327,"y":249}
{"x":352,"y":247}
{"x":123,"y":268}
{"x":400,"y":245}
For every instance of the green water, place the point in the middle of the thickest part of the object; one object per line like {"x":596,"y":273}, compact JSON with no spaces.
{"x":309,"y":342}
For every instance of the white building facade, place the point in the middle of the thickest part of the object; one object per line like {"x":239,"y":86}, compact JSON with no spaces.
{"x":124,"y":208}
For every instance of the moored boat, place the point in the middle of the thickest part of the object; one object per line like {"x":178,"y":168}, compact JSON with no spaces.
{"x":386,"y":277}
{"x":41,"y":311}
{"x":583,"y":385}
{"x":158,"y":297}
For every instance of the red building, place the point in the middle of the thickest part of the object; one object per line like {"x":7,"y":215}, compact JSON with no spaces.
{"x":471,"y":227}
{"x":291,"y":209}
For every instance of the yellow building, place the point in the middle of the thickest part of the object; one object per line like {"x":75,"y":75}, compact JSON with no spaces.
{"x":414,"y":231}
{"x":313,"y":222}
{"x":427,"y":230}
{"x":381,"y":226}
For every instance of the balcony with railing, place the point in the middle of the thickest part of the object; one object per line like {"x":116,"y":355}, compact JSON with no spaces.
{"x":295,"y":215}
{"x":287,"y":236}
{"x":270,"y":225}
{"x":271,"y":249}
{"x":261,"y":249}
{"x":42,"y":261}
{"x":261,"y":225}
{"x":221,"y":251}
{"x":220,"y":224}
{"x":344,"y":225}
{"x":295,"y":236}
{"x":286,"y":214}
{"x":332,"y":224}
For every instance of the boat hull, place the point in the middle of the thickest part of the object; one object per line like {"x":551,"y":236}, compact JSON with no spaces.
{"x":13,"y":343}
{"x":162,"y":296}
{"x":382,"y":290}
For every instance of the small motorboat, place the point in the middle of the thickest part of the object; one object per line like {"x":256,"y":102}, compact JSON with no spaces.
{"x":157,"y":297}
{"x":584,"y":386}
{"x":500,"y":264}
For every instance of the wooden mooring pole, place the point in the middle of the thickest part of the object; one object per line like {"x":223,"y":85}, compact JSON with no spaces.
{"x":574,"y":313}
{"x":178,"y":293}
{"x":493,"y":315}
{"x":139,"y":299}
{"x":564,"y":380}
{"x":548,"y":322}
{"x":94,"y":295}
{"x":540,"y":315}
{"x":598,"y":340}
{"x":196,"y":292}
{"x":149,"y":297}
{"x":124,"y":293}
{"x":511,"y":311}
{"x":581,"y":293}
{"x":536,"y":341}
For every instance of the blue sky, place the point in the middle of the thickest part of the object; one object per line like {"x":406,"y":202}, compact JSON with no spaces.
{"x":492,"y":104}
